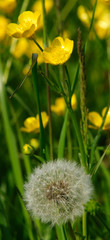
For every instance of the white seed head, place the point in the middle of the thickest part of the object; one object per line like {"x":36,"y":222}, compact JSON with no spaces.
{"x":57,"y":191}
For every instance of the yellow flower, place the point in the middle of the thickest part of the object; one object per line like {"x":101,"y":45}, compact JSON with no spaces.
{"x":73,"y":102}
{"x":38,"y":6}
{"x":27,"y":149}
{"x":34,"y":143}
{"x":27,"y":47}
{"x":7,"y":5}
{"x":33,"y":48}
{"x":59,"y":51}
{"x":60,"y":105}
{"x":96,"y":119}
{"x":106,"y":2}
{"x":28,"y":24}
{"x":20,"y":48}
{"x":102,"y":19}
{"x":32,"y":124}
{"x":3,"y":27}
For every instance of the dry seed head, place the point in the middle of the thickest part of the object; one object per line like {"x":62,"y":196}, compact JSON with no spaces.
{"x":57,"y":191}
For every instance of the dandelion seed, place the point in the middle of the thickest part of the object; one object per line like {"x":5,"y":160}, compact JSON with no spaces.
{"x":57,"y":192}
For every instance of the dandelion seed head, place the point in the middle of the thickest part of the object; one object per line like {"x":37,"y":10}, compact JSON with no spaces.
{"x":57,"y":191}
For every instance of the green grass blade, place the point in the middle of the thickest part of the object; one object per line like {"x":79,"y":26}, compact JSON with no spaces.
{"x":36,"y":90}
{"x":60,"y":233}
{"x":10,"y":138}
{"x":61,"y":144}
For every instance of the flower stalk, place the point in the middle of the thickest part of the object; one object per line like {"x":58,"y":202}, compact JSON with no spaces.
{"x":47,"y":74}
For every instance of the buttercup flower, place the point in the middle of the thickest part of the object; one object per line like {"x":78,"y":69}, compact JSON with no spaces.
{"x":7,"y":5}
{"x":27,"y":47}
{"x":101,"y":22}
{"x":27,"y":149}
{"x":60,"y":105}
{"x":59,"y":51}
{"x":32,"y":124}
{"x":28,"y":24}
{"x":57,"y":191}
{"x":34,"y":143}
{"x":3,"y":27}
{"x":38,"y":5}
{"x":20,"y":48}
{"x":106,"y":2}
{"x":96,"y":119}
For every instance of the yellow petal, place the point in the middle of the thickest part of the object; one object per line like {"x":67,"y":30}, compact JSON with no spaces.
{"x":59,"y":51}
{"x":28,"y":32}
{"x":3,"y":27}
{"x":44,"y":117}
{"x":83,"y":15}
{"x":73,"y":102}
{"x":14,"y":30}
{"x":59,"y":107}
{"x":20,"y":48}
{"x":30,"y":125}
{"x":107,"y":120}
{"x":28,"y":18}
{"x":95,"y":119}
{"x":7,"y":5}
{"x":38,"y":5}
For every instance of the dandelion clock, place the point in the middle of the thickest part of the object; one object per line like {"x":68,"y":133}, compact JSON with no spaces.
{"x":57,"y":191}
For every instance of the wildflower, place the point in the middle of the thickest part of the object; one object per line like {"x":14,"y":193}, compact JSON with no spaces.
{"x":3,"y":27}
{"x":38,"y":5}
{"x":20,"y":48}
{"x":34,"y":143}
{"x":28,"y":24}
{"x":32,"y":124}
{"x":73,"y":102}
{"x":96,"y":119}
{"x":59,"y":51}
{"x":33,"y":48}
{"x":101,"y":22}
{"x":57,"y":191}
{"x":106,"y":2}
{"x":60,"y":105}
{"x":7,"y":5}
{"x":27,"y":149}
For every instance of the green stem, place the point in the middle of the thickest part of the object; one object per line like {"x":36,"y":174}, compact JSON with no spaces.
{"x":47,"y":74}
{"x":84,"y":225}
{"x":97,"y":137}
{"x":44,"y":24}
{"x":21,"y":142}
{"x":35,"y":84}
{"x":79,"y":137}
{"x":50,"y":123}
{"x":60,"y":232}
{"x":37,"y":44}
